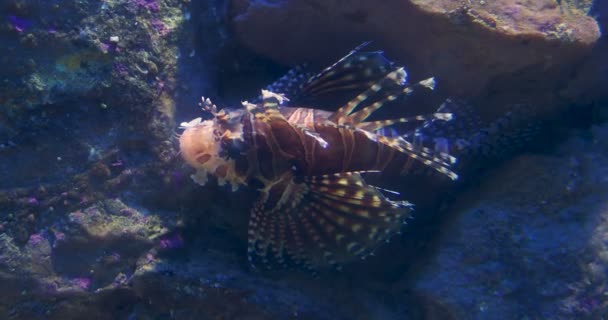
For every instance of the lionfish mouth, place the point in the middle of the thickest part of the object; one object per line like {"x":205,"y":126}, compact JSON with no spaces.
{"x":201,"y":147}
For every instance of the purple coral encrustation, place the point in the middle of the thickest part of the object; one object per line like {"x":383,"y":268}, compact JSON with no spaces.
{"x":59,"y":236}
{"x":33,"y":201}
{"x":174,"y":241}
{"x":82,"y":283}
{"x":151,"y":5}
{"x":121,"y":68}
{"x":35,"y":239}
{"x":159,"y":26}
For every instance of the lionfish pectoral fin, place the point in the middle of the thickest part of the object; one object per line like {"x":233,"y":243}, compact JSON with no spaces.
{"x":318,"y":221}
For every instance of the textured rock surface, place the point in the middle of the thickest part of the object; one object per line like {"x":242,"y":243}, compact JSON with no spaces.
{"x":110,"y":261}
{"x":530,"y":241}
{"x":97,"y":222}
{"x":502,"y":48}
{"x":87,"y":102}
{"x":592,"y":74}
{"x":101,"y":76}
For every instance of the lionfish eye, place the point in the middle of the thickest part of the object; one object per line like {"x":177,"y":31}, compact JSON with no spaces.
{"x":217,"y":136}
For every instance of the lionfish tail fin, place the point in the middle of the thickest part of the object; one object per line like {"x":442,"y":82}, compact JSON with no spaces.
{"x":506,"y":135}
{"x":321,"y":221}
{"x":468,"y":137}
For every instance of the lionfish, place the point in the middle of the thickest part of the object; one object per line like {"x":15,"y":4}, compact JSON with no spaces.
{"x":315,"y":207}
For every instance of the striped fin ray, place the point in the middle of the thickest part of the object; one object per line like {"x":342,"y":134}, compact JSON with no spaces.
{"x":436,"y":159}
{"x":377,"y":125}
{"x":428,"y":157}
{"x":396,"y":76}
{"x":354,"y":71}
{"x":363,"y":114}
{"x":447,"y":138}
{"x":441,"y":162}
{"x":318,"y":221}
{"x":465,"y":123}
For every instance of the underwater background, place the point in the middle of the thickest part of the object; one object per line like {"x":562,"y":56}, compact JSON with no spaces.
{"x":99,"y":218}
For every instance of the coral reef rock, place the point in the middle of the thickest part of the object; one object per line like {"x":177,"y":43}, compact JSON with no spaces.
{"x":530,"y":240}
{"x":99,"y":220}
{"x":592,"y":74}
{"x":472,"y":47}
{"x":83,"y":79}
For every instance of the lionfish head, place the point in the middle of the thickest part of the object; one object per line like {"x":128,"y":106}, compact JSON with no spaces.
{"x":209,"y":145}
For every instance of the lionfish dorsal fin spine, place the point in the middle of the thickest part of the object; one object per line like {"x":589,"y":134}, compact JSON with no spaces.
{"x":396,"y":76}
{"x":377,"y":125}
{"x":363,"y":114}
{"x":341,"y":64}
{"x":355,"y":71}
{"x":422,"y":154}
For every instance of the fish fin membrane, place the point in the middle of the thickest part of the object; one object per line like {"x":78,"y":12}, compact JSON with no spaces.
{"x":507,"y":135}
{"x":392,"y":80}
{"x":448,"y":137}
{"x":321,"y":221}
{"x":470,"y":139}
{"x":355,"y":71}
{"x":291,"y":83}
{"x":465,"y":120}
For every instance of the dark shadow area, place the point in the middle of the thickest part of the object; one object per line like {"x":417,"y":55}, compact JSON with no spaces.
{"x":599,"y":10}
{"x":56,"y":142}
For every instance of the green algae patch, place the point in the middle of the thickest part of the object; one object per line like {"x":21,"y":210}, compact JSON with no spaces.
{"x":75,"y":73}
{"x":114,"y":219}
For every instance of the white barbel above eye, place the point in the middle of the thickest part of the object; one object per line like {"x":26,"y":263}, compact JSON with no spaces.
{"x":190,"y":124}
